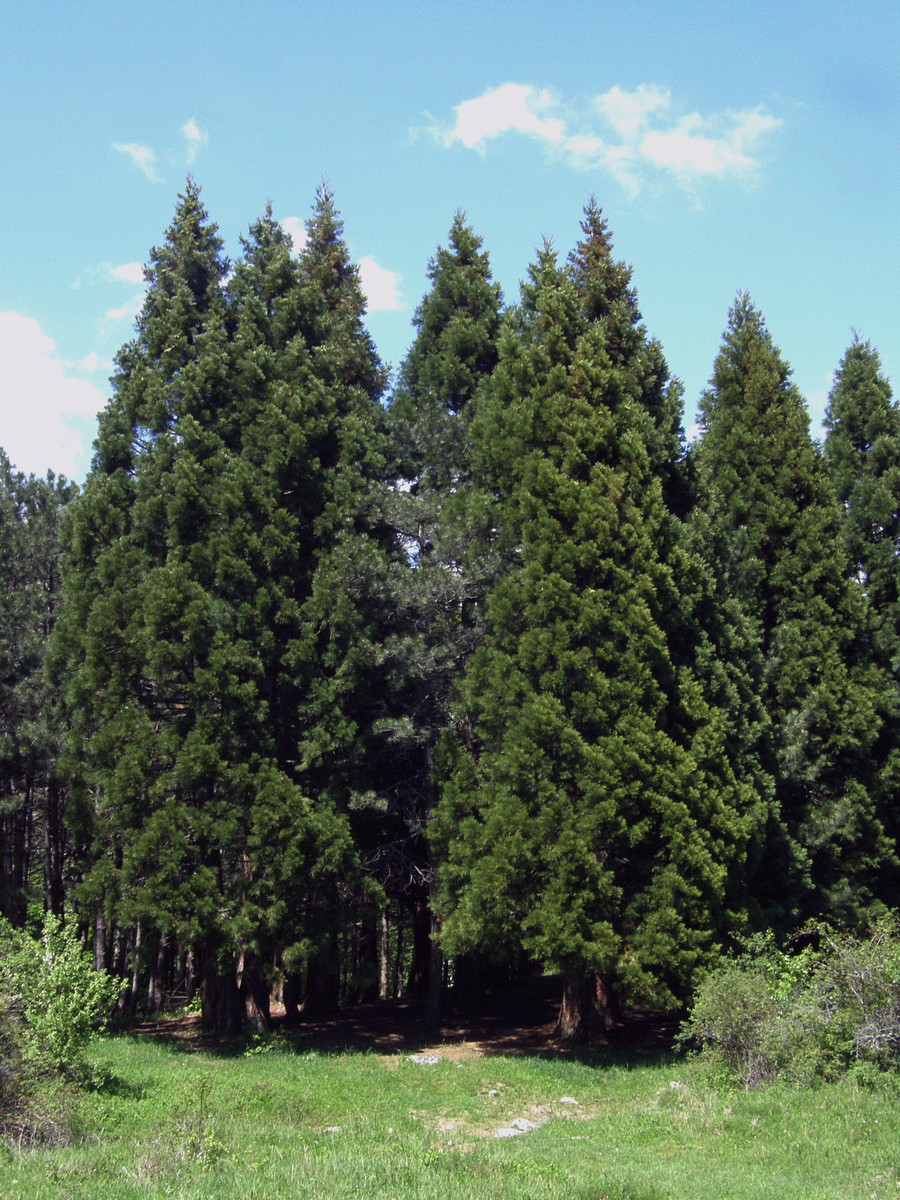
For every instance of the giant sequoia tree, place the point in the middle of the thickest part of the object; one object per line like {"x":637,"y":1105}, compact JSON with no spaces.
{"x":771,"y":507}
{"x":591,"y":815}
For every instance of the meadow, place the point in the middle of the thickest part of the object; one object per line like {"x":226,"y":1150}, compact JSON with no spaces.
{"x":272,"y":1118}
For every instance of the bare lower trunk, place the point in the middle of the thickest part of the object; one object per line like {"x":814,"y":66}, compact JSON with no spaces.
{"x":254,"y":993}
{"x":220,"y":999}
{"x":291,"y":995}
{"x":587,"y":1012}
{"x":384,"y":957}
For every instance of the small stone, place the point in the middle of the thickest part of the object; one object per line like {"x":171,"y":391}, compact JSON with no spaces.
{"x":508,"y":1132}
{"x":333,"y":1129}
{"x":425,"y":1060}
{"x":494,"y":1092}
{"x":569,"y":1100}
{"x":523,"y":1125}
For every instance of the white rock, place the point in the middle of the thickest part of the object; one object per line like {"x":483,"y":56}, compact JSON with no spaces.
{"x":426,"y":1060}
{"x":523,"y":1124}
{"x":508,"y":1133}
{"x":568,"y":1100}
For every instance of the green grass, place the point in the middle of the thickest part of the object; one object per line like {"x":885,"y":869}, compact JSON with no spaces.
{"x":168,"y":1123}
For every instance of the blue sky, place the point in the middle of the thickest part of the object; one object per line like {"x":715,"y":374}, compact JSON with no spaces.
{"x":730,"y":146}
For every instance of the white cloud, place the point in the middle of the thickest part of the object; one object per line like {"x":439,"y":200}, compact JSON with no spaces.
{"x":142,"y":157}
{"x":295,"y":228}
{"x":513,"y":107}
{"x":628,"y":112}
{"x":126,"y":273}
{"x":195,"y":138}
{"x":42,"y":398}
{"x":647,"y":134}
{"x":380,"y":286}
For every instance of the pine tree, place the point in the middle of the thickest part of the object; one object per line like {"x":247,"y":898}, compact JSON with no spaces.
{"x":591,"y":816}
{"x":766,"y":495}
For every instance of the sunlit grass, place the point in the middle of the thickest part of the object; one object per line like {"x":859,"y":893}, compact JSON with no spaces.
{"x":282,"y":1124}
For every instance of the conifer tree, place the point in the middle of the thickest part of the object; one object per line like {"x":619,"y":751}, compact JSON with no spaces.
{"x":437,"y":593}
{"x":224,"y":570}
{"x":32,"y":790}
{"x":591,"y":816}
{"x":767,"y":497}
{"x":862,"y":457}
{"x":150,"y":667}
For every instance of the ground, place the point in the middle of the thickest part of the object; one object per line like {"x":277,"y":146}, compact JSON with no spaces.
{"x":518,"y":1019}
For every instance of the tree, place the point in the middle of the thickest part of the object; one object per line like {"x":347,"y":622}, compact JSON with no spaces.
{"x":32,"y":790}
{"x":438,"y":595}
{"x":591,"y":815}
{"x":862,"y":458}
{"x":226,"y":566}
{"x":766,"y":494}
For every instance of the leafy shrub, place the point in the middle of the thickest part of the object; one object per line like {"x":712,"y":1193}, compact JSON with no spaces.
{"x":51,"y":997}
{"x":829,"y":1009}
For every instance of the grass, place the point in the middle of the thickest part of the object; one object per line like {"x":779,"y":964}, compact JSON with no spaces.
{"x":274,"y":1122}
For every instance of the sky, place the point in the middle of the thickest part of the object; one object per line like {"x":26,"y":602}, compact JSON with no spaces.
{"x":751,"y":146}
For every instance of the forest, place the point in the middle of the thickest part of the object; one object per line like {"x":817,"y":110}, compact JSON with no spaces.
{"x":325,"y":687}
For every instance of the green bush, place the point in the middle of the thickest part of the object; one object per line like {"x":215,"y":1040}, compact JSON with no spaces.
{"x":51,"y":998}
{"x":812,"y":1015}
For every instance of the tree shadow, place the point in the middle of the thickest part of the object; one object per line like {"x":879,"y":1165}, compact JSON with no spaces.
{"x":513,"y":1020}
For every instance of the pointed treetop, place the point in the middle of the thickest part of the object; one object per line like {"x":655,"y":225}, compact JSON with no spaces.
{"x":604,"y":283}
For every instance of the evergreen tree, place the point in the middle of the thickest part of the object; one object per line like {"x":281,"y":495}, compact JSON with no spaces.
{"x":32,"y":791}
{"x":862,"y":457}
{"x":224,"y":576}
{"x":153,"y":675}
{"x":591,"y":816}
{"x":770,"y":505}
{"x":437,"y":593}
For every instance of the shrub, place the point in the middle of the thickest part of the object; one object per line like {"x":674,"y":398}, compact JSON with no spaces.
{"x":804,"y":1016}
{"x":51,"y":998}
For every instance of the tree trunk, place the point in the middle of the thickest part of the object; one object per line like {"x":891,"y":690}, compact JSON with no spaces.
{"x":587,"y":1012}
{"x":420,"y":968}
{"x":384,"y":957}
{"x":435,"y":1001}
{"x":254,"y":991}
{"x":220,"y":1000}
{"x":323,"y":985}
{"x":291,"y":994}
{"x":54,"y":849}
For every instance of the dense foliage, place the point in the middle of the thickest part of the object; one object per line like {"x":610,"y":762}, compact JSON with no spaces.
{"x":336,"y":681}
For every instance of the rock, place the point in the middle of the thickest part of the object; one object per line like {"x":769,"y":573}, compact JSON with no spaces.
{"x":426,"y":1060}
{"x":569,"y":1100}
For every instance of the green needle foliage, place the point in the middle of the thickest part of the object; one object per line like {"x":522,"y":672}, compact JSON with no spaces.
{"x":438,"y":594}
{"x":862,"y":457}
{"x":770,"y":505}
{"x":32,"y":724}
{"x":218,"y":626}
{"x":591,"y":815}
